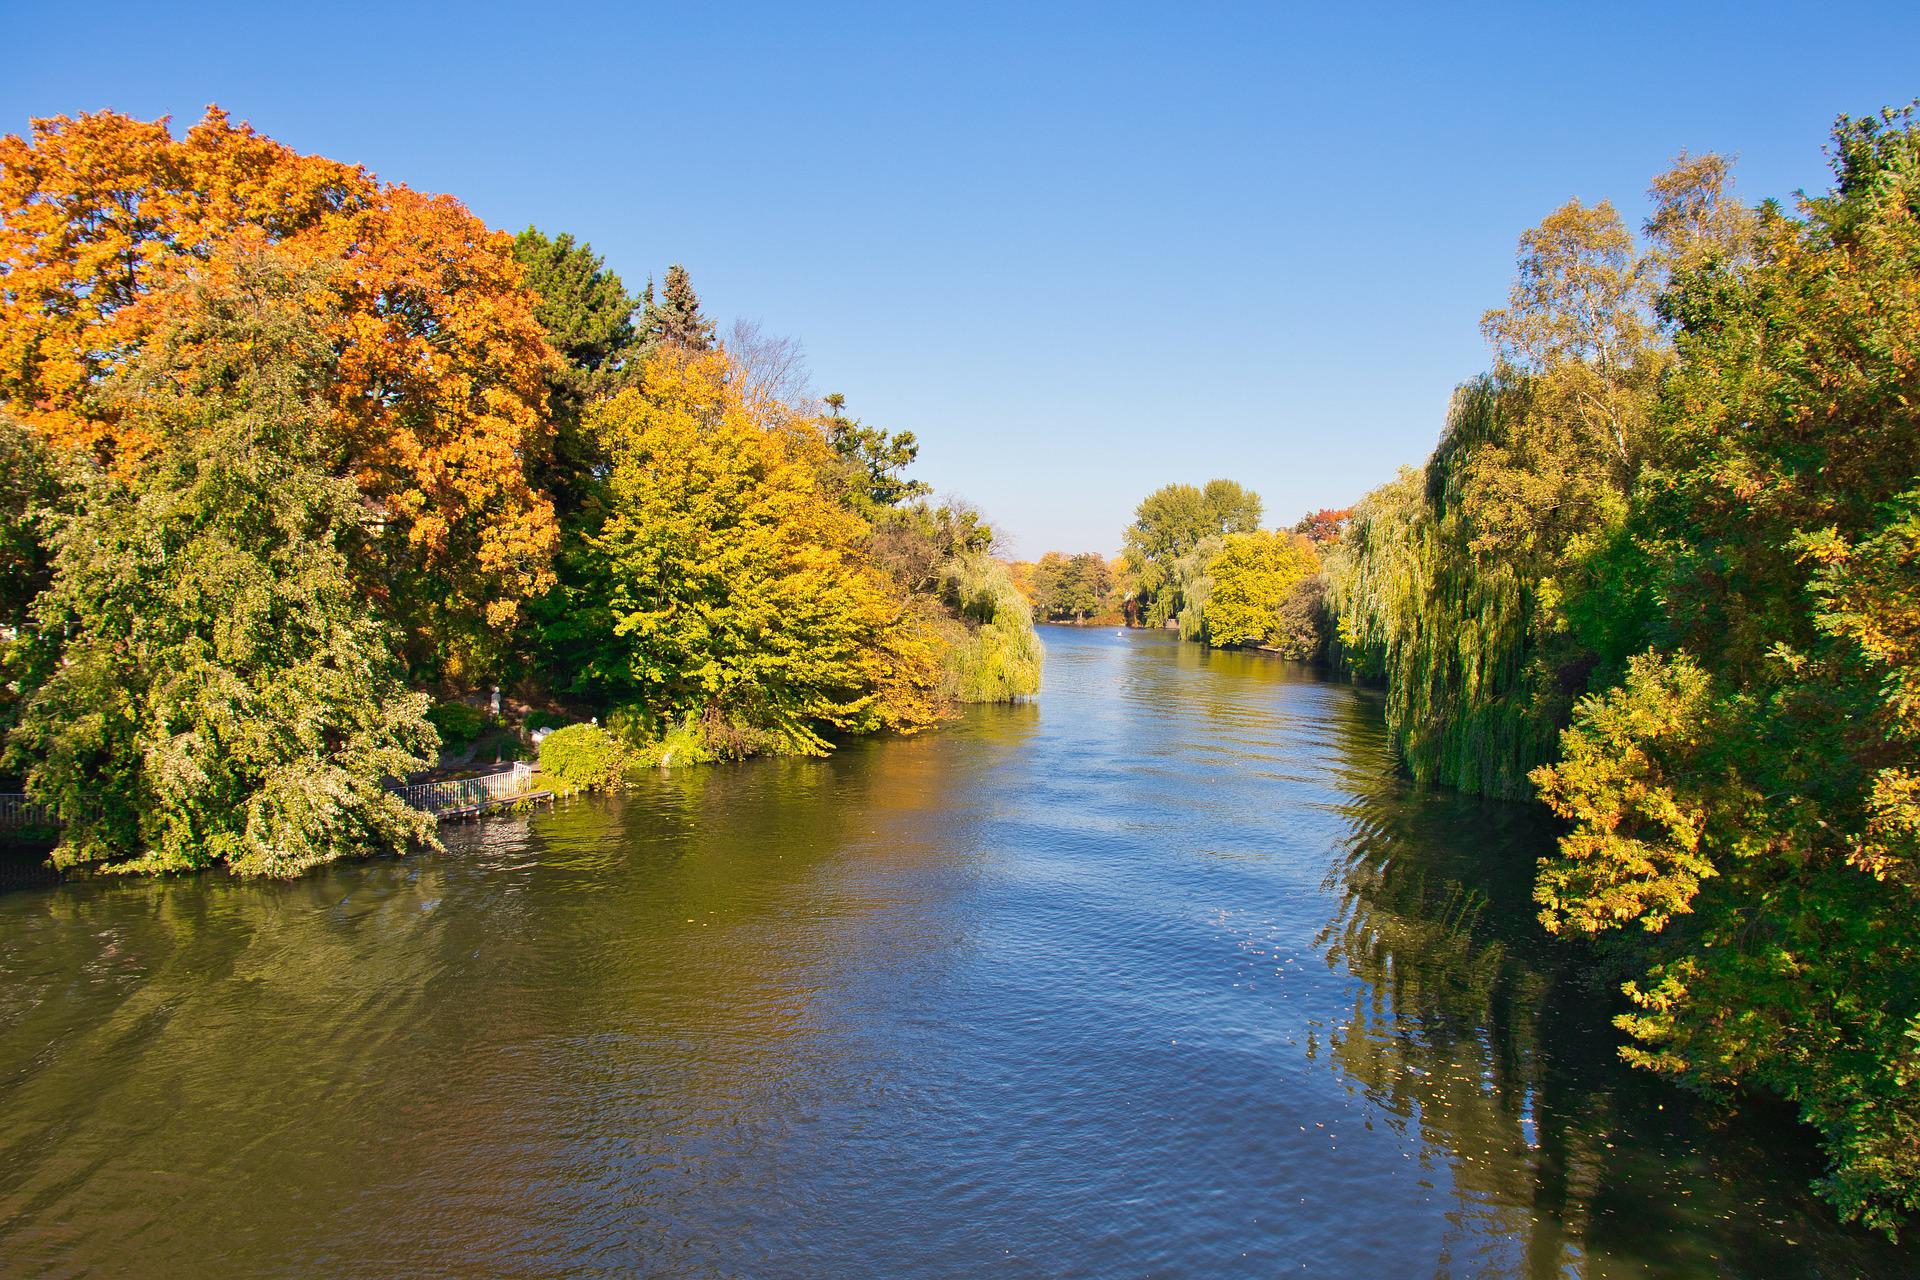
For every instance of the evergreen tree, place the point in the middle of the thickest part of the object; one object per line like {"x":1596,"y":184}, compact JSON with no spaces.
{"x":589,"y":318}
{"x":675,"y":318}
{"x":874,"y":459}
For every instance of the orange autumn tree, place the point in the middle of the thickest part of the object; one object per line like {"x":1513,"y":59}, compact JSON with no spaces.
{"x":439,"y":402}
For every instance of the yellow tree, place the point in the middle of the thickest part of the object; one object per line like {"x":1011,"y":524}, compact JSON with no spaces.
{"x":726,"y":587}
{"x":1252,"y":577}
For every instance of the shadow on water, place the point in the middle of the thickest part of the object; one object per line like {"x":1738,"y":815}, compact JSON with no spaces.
{"x":1165,"y":974}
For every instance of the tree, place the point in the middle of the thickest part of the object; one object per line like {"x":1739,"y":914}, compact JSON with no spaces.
{"x":586,"y":311}
{"x":1252,"y":577}
{"x":774,"y":366}
{"x":1744,"y":799}
{"x":875,"y":459}
{"x":1489,"y":601}
{"x":31,"y":486}
{"x":1324,"y":527}
{"x":589,"y":319}
{"x":725,"y":585}
{"x":440,"y":370}
{"x":1167,"y":527}
{"x":208,"y":685}
{"x":1071,"y":586}
{"x":675,"y":319}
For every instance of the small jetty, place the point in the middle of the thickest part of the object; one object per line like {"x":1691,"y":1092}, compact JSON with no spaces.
{"x":457,"y":799}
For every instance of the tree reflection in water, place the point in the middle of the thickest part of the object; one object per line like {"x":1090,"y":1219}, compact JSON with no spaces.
{"x":1491,"y":1046}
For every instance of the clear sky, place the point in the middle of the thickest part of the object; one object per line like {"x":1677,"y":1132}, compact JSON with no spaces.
{"x":1080,"y":251}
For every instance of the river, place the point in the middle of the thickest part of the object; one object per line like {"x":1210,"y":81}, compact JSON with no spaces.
{"x":1165,"y":974}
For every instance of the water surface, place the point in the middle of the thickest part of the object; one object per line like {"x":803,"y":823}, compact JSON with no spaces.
{"x":1165,"y":975}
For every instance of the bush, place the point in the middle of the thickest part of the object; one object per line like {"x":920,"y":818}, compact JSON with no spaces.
{"x":584,"y":757}
{"x":538,"y":720}
{"x":458,"y":723}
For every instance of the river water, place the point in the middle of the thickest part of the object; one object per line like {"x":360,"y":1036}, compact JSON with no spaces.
{"x":1166,"y":974}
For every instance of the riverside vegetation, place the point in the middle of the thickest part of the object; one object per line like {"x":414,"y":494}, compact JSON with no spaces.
{"x":1662,"y":576}
{"x":288,"y":446}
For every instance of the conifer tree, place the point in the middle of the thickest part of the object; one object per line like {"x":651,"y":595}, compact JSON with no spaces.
{"x":675,"y":318}
{"x":589,"y":318}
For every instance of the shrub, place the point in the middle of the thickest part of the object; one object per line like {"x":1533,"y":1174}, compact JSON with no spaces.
{"x":458,"y":723}
{"x":584,"y":757}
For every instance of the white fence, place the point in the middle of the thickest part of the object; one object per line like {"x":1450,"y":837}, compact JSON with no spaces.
{"x":470,"y":793}
{"x":18,"y":811}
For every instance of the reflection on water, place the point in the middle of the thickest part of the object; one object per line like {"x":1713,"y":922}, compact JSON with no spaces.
{"x":1167,"y":974}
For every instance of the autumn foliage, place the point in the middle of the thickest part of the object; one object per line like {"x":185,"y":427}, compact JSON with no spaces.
{"x":439,"y":400}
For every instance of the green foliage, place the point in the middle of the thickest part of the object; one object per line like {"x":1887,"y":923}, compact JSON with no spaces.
{"x":1303,"y":627}
{"x":1073,"y":587}
{"x":587,"y":313}
{"x":458,"y":723}
{"x":31,"y":484}
{"x":993,"y":655}
{"x":1170,"y":524}
{"x":1750,"y":795}
{"x":538,"y":720}
{"x":208,"y":686}
{"x":584,"y":757}
{"x":589,"y":319}
{"x":723,"y":578}
{"x":875,"y":460}
{"x":674,"y":319}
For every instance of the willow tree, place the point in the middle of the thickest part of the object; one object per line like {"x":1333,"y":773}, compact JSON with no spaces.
{"x":1485,"y":594}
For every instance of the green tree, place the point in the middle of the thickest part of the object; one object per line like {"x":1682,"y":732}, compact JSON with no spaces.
{"x":1746,"y":796}
{"x":725,"y":585}
{"x":1071,"y":586}
{"x":875,"y":459}
{"x":208,"y":686}
{"x":1167,"y":527}
{"x":589,"y":319}
{"x":30,"y":489}
{"x":1488,"y":597}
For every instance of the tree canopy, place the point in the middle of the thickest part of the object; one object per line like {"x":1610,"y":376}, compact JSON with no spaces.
{"x":1170,"y":524}
{"x":208,"y":685}
{"x":439,"y":366}
{"x":724,"y":582}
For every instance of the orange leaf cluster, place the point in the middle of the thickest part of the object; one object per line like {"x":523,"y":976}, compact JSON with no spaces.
{"x":440,"y":397}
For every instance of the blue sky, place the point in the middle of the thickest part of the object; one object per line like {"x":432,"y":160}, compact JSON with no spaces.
{"x":1080,"y":251}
